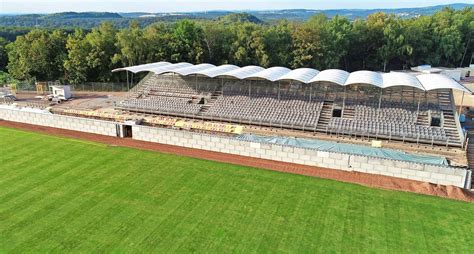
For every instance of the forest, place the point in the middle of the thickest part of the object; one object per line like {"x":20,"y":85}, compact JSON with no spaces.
{"x":381,"y":42}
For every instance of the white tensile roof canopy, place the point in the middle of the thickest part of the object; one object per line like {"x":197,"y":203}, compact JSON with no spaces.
{"x":426,"y":82}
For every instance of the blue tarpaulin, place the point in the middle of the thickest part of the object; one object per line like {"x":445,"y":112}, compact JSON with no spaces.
{"x":329,"y":146}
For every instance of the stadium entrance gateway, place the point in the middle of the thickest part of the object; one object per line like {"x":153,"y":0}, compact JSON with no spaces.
{"x":125,"y":130}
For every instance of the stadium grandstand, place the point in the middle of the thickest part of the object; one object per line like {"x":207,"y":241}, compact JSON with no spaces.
{"x":394,"y":106}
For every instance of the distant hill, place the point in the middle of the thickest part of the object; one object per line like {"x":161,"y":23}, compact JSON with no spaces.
{"x":92,"y":19}
{"x":304,"y":14}
{"x":85,"y":20}
{"x":239,"y":17}
{"x":82,"y":15}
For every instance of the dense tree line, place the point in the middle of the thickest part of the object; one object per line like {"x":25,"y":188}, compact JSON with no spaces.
{"x":380,"y":42}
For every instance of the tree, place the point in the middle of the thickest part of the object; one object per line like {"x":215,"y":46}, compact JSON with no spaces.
{"x":243,"y":48}
{"x":157,"y":38}
{"x":308,"y":48}
{"x":76,"y":65}
{"x":218,"y":39}
{"x":37,"y":54}
{"x":273,"y":45}
{"x":90,"y":55}
{"x":101,"y":44}
{"x":336,"y":42}
{"x":132,"y":47}
{"x":3,"y":54}
{"x":394,"y":43}
{"x":465,"y":21}
{"x":187,"y":43}
{"x":447,"y":38}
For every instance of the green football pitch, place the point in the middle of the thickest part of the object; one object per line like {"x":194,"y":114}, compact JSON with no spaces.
{"x":65,"y":195}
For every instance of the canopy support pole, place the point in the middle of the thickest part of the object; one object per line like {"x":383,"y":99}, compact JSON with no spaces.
{"x":344,"y":101}
{"x":250,"y":86}
{"x":222,"y":86}
{"x":128,"y":85}
{"x":196,"y":81}
{"x":132,"y":79}
{"x":462,"y":101}
{"x":278,"y":90}
{"x":380,"y":98}
{"x":310,"y":91}
{"x":418,"y":109}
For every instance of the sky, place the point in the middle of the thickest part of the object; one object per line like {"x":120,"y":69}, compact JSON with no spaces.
{"x":51,"y":6}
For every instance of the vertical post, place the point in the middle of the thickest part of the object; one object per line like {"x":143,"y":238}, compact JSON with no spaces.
{"x":380,"y":98}
{"x":418,"y":109}
{"x":128,"y":86}
{"x":250,"y":86}
{"x":344,"y":100}
{"x":462,"y":101}
{"x":310,"y":91}
{"x":196,"y":81}
{"x":278,"y":90}
{"x":222,"y":85}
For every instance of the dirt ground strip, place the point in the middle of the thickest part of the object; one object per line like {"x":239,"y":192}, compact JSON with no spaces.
{"x":370,"y":180}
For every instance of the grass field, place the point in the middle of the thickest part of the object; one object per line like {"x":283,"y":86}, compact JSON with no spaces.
{"x":66,"y":195}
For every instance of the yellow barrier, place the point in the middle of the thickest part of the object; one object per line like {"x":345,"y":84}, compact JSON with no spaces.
{"x":161,"y":120}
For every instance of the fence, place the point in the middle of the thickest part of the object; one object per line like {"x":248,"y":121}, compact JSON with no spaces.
{"x":86,"y":87}
{"x":101,"y":87}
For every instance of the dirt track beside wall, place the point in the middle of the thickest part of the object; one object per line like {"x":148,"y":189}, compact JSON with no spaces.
{"x":370,"y":180}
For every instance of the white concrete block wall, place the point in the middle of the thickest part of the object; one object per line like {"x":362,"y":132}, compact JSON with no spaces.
{"x":372,"y":165}
{"x":59,"y":121}
{"x":415,"y":171}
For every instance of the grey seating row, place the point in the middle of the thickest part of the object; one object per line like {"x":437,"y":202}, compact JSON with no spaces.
{"x":387,"y":129}
{"x":163,"y":104}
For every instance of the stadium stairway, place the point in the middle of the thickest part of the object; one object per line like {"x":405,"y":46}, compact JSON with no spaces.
{"x":216,"y":94}
{"x":348,"y":112}
{"x":422,"y":119}
{"x":470,"y":155}
{"x":446,"y":104}
{"x":141,"y":86}
{"x":325,"y":116}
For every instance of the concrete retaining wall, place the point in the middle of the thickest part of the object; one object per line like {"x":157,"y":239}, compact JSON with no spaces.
{"x":414,"y":171}
{"x":58,"y":121}
{"x":311,"y":157}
